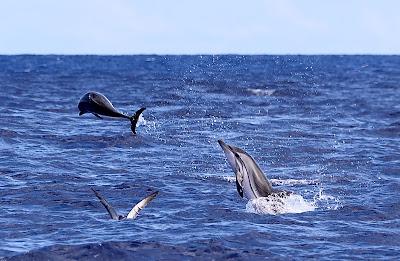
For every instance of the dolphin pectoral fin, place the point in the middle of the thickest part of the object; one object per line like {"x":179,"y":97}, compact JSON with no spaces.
{"x":98,"y":116}
{"x":240,"y":173}
{"x":110,"y":209}
{"x":139,"y":206}
{"x":239,"y":188}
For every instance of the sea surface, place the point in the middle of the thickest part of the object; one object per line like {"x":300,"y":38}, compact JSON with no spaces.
{"x":324,"y":127}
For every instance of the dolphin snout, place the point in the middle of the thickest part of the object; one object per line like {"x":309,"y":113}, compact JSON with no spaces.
{"x":224,"y":146}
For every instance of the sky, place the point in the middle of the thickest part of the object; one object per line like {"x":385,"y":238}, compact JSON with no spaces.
{"x":199,"y":27}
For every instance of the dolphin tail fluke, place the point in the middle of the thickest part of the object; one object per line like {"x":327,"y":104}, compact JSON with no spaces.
{"x":139,"y":206}
{"x":134,"y":119}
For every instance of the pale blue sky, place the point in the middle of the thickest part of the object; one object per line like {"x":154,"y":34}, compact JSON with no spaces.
{"x":200,"y":27}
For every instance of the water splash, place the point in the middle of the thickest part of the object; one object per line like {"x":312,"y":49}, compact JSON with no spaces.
{"x":278,"y":182}
{"x":324,"y":201}
{"x":293,"y":203}
{"x":149,"y":125}
{"x":141,"y":121}
{"x":275,"y":205}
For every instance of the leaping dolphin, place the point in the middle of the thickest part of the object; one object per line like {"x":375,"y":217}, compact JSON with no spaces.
{"x":133,"y":213}
{"x":98,"y":104}
{"x":250,"y":180}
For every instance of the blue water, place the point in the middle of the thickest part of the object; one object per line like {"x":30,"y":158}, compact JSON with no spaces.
{"x":325,"y":127}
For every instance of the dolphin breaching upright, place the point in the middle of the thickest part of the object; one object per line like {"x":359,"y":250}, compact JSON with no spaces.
{"x":98,"y":104}
{"x":132,"y":214}
{"x":250,"y":180}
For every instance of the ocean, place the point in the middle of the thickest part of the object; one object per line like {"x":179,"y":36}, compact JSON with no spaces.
{"x":326,"y":128}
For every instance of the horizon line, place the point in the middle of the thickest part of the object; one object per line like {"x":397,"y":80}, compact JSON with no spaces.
{"x":199,"y":54}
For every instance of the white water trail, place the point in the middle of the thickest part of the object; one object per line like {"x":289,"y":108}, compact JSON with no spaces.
{"x":261,"y":92}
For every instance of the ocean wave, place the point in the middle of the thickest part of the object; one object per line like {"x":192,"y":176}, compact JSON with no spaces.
{"x":196,"y":250}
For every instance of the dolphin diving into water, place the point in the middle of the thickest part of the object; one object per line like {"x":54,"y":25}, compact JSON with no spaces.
{"x":98,"y":104}
{"x":250,"y":180}
{"x":133,"y":213}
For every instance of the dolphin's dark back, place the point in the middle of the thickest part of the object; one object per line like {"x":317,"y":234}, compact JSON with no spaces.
{"x":97,"y":103}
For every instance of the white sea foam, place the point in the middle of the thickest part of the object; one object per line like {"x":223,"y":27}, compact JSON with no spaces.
{"x":278,"y":182}
{"x":261,"y":92}
{"x":294,"y":203}
{"x":230,"y":179}
{"x":292,"y":182}
{"x":148,"y":124}
{"x":275,"y":205}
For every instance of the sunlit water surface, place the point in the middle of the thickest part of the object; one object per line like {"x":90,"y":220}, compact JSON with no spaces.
{"x":324,"y":127}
